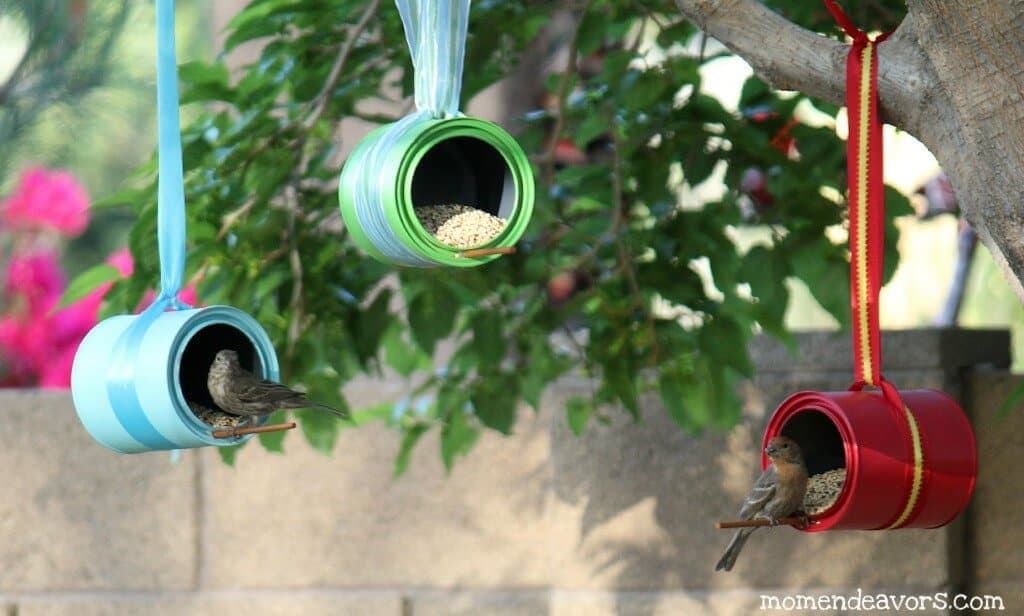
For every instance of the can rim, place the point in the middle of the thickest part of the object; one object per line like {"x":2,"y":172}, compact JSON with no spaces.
{"x":202,"y":318}
{"x":433,"y":132}
{"x":816,"y":401}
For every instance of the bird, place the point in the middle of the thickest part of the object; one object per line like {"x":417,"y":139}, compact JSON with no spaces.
{"x":777,"y":493}
{"x":238,"y":392}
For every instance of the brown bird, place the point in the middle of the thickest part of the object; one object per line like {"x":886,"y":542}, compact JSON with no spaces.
{"x":778,"y":492}
{"x":236,"y":391}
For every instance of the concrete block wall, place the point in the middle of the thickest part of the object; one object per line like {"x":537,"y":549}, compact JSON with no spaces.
{"x":618,"y":521}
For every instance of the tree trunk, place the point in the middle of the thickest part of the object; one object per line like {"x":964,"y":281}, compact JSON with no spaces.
{"x":952,"y":75}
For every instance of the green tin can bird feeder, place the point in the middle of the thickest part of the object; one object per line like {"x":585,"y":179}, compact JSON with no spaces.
{"x":437,"y":188}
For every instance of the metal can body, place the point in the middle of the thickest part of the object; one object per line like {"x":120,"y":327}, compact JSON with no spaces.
{"x":901,"y":472}
{"x":132,"y":379}
{"x":422,"y":161}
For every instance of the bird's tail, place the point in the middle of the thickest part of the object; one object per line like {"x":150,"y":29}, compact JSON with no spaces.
{"x":329,"y":409}
{"x":729,"y":558}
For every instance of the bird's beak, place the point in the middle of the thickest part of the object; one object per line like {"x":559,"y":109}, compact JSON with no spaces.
{"x":770,"y":451}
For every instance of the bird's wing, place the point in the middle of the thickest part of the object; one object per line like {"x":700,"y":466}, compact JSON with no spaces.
{"x":264,"y":391}
{"x":760,"y":494}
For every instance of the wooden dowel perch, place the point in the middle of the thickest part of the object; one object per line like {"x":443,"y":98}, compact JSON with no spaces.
{"x":486,"y":252}
{"x":233,"y":432}
{"x":794,"y":521}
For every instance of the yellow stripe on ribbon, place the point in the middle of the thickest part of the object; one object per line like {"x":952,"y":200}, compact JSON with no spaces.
{"x":915,"y":486}
{"x":861,"y":241}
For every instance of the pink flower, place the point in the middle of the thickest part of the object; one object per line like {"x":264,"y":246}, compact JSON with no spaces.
{"x":189,"y":295}
{"x":45,"y":199}
{"x":36,"y":348}
{"x":122,"y":260}
{"x":17,"y":367}
{"x":25,"y":347}
{"x":72,"y":323}
{"x":57,"y":372}
{"x":36,"y":277}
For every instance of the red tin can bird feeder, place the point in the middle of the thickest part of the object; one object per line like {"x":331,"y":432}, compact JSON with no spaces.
{"x":910,"y":457}
{"x":900,"y":473}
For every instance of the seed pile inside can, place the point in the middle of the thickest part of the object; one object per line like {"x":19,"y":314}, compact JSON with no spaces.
{"x":823,"y":490}
{"x":460,"y":226}
{"x":215,"y":417}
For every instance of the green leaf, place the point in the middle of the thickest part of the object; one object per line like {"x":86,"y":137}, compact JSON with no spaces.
{"x":228,"y":454}
{"x":127,"y":197}
{"x":381,"y":412}
{"x":87,"y":282}
{"x":488,"y":343}
{"x":725,"y":341}
{"x":593,"y":126}
{"x":403,"y":356}
{"x":577,"y":412}
{"x":431,"y":317}
{"x":370,"y":325}
{"x":274,"y":441}
{"x":457,"y":437}
{"x":409,"y":439}
{"x":494,"y":401}
{"x":642,"y":89}
{"x":320,"y":429}
{"x":766,"y":272}
{"x":587,"y":205}
{"x":1012,"y":401}
{"x":827,"y":276}
{"x":618,"y":375}
{"x":673,"y":396}
{"x":541,"y":369}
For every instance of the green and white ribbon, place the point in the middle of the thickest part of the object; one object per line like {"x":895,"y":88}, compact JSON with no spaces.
{"x":436,"y":33}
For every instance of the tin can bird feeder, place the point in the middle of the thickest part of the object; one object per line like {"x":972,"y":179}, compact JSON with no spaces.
{"x":436,"y":158}
{"x":909,"y":458}
{"x":135,"y":378}
{"x":423,"y":162}
{"x":901,"y":471}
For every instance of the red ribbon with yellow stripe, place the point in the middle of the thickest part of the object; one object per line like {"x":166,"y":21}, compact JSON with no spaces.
{"x":867,"y":197}
{"x":867,"y":238}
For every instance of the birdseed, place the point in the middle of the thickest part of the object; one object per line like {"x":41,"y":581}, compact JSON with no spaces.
{"x":214,"y":417}
{"x":460,"y":226}
{"x":823,"y":490}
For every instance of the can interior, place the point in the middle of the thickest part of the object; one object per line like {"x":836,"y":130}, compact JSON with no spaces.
{"x":199,"y":353}
{"x":819,"y":440}
{"x":464,"y":171}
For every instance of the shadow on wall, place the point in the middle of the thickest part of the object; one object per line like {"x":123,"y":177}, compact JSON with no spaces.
{"x":646,"y":498}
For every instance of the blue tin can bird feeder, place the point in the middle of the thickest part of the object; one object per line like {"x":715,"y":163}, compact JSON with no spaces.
{"x":435,"y":157}
{"x":135,"y":376}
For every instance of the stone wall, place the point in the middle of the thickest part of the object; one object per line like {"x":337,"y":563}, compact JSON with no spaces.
{"x":618,"y":521}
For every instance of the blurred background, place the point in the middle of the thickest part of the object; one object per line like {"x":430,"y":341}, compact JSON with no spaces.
{"x":543,"y":509}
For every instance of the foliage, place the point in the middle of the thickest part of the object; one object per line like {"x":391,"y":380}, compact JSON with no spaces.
{"x":623,"y":273}
{"x":67,"y":54}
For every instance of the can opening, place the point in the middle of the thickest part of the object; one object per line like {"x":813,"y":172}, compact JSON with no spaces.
{"x":198,"y":356}
{"x":464,"y":171}
{"x":824,"y":454}
{"x":819,"y":440}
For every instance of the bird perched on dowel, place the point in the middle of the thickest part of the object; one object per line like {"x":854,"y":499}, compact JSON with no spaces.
{"x":238,"y":392}
{"x":778,"y":492}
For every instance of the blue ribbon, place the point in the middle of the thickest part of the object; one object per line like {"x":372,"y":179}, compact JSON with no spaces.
{"x":436,"y":33}
{"x":170,"y":182}
{"x":170,"y":239}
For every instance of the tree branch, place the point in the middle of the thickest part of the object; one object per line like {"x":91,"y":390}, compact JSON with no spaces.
{"x":789,"y":57}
